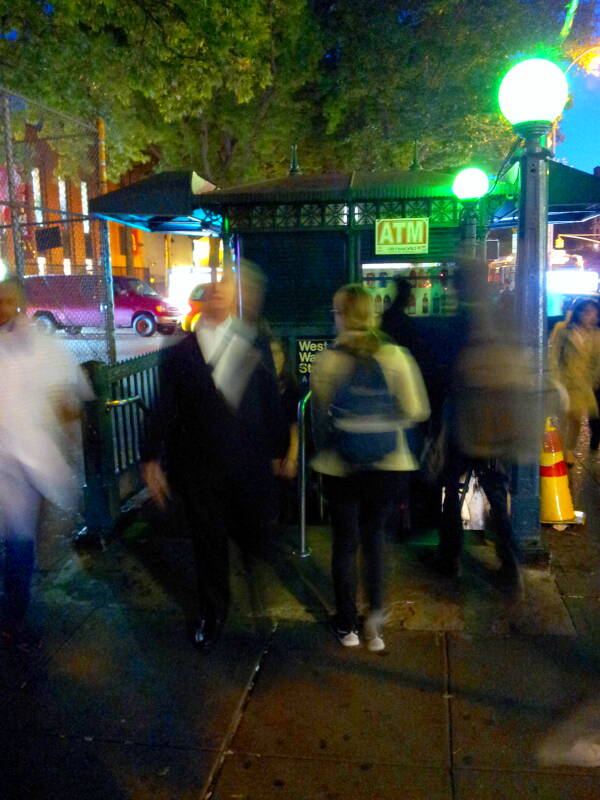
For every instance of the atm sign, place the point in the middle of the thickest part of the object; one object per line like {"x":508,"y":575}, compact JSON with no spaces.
{"x":402,"y":236}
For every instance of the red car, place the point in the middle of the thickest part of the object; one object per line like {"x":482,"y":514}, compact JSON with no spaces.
{"x":73,"y":302}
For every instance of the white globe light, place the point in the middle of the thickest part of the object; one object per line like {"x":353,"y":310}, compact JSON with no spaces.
{"x":470,"y":184}
{"x":534,"y":90}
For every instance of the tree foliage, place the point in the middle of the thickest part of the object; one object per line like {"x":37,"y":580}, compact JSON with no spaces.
{"x":226,"y":87}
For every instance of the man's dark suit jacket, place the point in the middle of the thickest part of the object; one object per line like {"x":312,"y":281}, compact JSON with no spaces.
{"x":196,"y":435}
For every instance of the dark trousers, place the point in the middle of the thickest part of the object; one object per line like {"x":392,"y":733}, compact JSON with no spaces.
{"x":19,"y":511}
{"x":359,"y":506}
{"x":19,"y":561}
{"x":217,"y":511}
{"x":594,"y":423}
{"x":494,"y":483}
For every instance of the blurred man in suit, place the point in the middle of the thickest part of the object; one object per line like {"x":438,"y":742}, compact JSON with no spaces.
{"x":215,"y":438}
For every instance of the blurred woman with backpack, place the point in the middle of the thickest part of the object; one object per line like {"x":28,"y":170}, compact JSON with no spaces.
{"x":366,"y":391}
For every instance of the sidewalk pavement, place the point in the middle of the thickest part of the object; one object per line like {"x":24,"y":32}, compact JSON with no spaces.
{"x":472,"y":699}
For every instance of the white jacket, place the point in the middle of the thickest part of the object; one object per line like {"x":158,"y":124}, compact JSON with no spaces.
{"x":38,"y":376}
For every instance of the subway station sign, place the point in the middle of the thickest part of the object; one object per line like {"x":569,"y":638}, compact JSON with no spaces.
{"x":401,"y":235}
{"x":307,"y":349}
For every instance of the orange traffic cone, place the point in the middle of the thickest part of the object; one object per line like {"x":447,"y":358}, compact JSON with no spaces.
{"x":556,"y":505}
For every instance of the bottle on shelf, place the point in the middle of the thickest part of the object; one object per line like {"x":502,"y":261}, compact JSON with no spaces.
{"x":412,"y":303}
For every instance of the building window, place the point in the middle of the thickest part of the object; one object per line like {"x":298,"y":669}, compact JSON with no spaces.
{"x":36,"y":185}
{"x":84,"y":206}
{"x":62,"y":198}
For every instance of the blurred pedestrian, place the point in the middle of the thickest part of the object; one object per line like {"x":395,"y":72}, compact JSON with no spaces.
{"x":217,"y":429}
{"x":290,"y":396}
{"x":400,"y":326}
{"x":575,"y":359}
{"x":489,"y":424}
{"x":366,"y":391}
{"x":40,"y":395}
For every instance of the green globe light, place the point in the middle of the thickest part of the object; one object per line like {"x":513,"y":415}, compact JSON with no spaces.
{"x":534,"y":90}
{"x":470,"y":184}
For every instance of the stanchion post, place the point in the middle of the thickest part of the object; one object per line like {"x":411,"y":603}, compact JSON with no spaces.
{"x":105,"y":250}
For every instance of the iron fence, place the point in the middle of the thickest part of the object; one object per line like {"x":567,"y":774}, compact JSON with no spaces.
{"x":114,"y":427}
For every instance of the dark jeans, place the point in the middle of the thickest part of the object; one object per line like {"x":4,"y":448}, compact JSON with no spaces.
{"x":494,"y":482}
{"x":19,"y":560}
{"x":19,"y":509}
{"x":359,"y":506}
{"x":594,"y":423}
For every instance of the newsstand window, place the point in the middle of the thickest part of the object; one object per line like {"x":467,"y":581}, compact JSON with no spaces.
{"x":433,"y":292}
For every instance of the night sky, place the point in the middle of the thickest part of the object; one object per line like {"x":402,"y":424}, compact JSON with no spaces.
{"x":580,"y":124}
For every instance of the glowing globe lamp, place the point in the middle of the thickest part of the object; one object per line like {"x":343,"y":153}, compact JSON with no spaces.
{"x":534,"y":90}
{"x":470,"y":184}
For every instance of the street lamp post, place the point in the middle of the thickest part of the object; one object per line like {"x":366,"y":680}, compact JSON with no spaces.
{"x":532,"y":95}
{"x":469,"y":186}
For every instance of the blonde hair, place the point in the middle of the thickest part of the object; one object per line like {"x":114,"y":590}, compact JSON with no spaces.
{"x":355,"y":305}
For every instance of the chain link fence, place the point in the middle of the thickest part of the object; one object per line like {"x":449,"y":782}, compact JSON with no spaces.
{"x":51,"y":165}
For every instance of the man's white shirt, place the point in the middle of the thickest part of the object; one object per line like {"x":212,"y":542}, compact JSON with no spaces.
{"x":228,"y":349}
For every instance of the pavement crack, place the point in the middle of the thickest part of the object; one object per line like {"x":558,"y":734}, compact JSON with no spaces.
{"x":225,"y":749}
{"x":448,"y":698}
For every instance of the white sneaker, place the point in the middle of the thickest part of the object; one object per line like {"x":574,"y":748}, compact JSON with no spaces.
{"x":581,"y":753}
{"x":373,"y":632}
{"x":346,"y":638}
{"x":376,"y":644}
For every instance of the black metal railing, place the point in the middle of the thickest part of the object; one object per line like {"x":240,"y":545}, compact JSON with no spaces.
{"x":113,"y":431}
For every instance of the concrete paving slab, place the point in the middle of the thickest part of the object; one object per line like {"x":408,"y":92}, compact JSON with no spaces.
{"x":316,"y":699}
{"x":249,"y":777}
{"x":508,"y":693}
{"x":54,"y":768}
{"x":130,"y":675}
{"x":577,"y":567}
{"x":509,"y":785}
{"x":55,"y":624}
{"x":418,"y":599}
{"x":585,"y":613}
{"x":113,"y":577}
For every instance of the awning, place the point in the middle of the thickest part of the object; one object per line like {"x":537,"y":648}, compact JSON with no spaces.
{"x":167,"y":202}
{"x":573,"y":196}
{"x":185,"y":203}
{"x":340,"y":187}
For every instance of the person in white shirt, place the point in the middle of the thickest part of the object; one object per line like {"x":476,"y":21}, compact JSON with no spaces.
{"x":40,"y":396}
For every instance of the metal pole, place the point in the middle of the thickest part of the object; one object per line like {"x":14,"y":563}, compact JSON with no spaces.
{"x":532,"y":260}
{"x":304,"y":551}
{"x":105,"y":250}
{"x":469,"y":229}
{"x":10,"y":180}
{"x":238,"y":275}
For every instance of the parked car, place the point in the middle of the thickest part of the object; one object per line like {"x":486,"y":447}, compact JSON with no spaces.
{"x":196,"y":303}
{"x":73,"y":302}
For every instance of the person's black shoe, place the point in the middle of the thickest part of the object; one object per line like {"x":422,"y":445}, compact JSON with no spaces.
{"x":445,"y":566}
